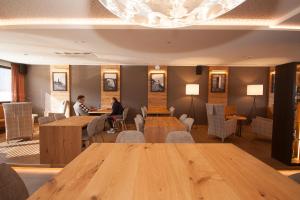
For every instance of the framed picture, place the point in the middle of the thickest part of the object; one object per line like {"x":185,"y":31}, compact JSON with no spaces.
{"x":157,"y":82}
{"x":59,"y":81}
{"x":110,"y":82}
{"x":272,"y":83}
{"x":218,"y":83}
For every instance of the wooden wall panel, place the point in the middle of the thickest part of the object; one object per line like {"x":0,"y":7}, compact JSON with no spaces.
{"x":221,"y":98}
{"x":106,"y":96}
{"x":56,"y":97}
{"x":157,"y":99}
{"x":271,"y":94}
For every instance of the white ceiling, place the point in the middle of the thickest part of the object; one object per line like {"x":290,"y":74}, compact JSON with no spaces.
{"x":257,"y":33}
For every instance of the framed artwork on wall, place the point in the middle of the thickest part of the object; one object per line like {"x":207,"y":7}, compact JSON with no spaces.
{"x":59,"y":81}
{"x":218,"y":83}
{"x":157,"y":82}
{"x":110,"y":82}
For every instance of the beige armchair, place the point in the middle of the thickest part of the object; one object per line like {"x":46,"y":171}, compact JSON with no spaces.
{"x":217,"y":125}
{"x":18,"y":120}
{"x":263,"y":127}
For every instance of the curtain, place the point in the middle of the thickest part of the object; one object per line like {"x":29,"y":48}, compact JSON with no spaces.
{"x":18,"y":83}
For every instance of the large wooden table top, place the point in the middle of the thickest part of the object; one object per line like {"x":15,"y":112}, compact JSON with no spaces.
{"x":158,"y":111}
{"x":101,"y":111}
{"x":157,"y":128}
{"x":72,"y":121}
{"x":167,"y":172}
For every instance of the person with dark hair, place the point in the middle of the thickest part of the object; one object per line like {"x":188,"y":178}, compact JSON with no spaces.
{"x":80,"y":108}
{"x":117,"y":111}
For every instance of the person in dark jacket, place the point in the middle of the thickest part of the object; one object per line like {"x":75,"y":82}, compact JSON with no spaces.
{"x":117,"y":111}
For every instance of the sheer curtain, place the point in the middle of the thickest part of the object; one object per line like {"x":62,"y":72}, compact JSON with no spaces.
{"x":18,"y":85}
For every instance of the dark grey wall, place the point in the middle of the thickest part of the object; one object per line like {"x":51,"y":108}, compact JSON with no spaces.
{"x":86,"y":81}
{"x":239,"y":78}
{"x":178,"y":77}
{"x":134,"y":85}
{"x":37,"y":84}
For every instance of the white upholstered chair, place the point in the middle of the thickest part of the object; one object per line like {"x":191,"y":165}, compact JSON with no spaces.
{"x":183,"y":117}
{"x":217,"y":125}
{"x":122,"y":120}
{"x":130,"y":137}
{"x":140,"y":117}
{"x":188,"y":122}
{"x":12,"y":186}
{"x":179,"y":137}
{"x":59,"y":116}
{"x":96,"y":126}
{"x":144,"y":111}
{"x":18,"y":120}
{"x":139,"y":124}
{"x":46,"y":120}
{"x":172,"y":111}
{"x":61,"y":109}
{"x":262,"y":127}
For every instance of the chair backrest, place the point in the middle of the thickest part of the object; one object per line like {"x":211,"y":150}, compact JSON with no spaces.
{"x":46,"y":120}
{"x":172,"y":111}
{"x":96,"y":125}
{"x":63,"y":107}
{"x":11,"y":185}
{"x":59,"y":116}
{"x":144,"y":111}
{"x":139,"y":124}
{"x":215,"y":117}
{"x":130,"y":137}
{"x":18,"y":120}
{"x":179,"y":137}
{"x":140,"y":117}
{"x":183,"y":117}
{"x":189,"y":123}
{"x":125,"y":113}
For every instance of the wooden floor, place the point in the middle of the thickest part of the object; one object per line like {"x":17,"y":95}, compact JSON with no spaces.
{"x":257,"y":147}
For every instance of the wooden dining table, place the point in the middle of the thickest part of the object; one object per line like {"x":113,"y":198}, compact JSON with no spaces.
{"x":156,"y":129}
{"x":100,"y":111}
{"x":167,"y":172}
{"x":158,"y":111}
{"x":61,"y":140}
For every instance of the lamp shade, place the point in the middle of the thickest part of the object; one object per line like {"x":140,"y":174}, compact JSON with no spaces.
{"x":255,"y":90}
{"x":192,"y":89}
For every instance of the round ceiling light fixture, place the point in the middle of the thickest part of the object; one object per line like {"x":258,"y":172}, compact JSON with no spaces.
{"x":169,"y":13}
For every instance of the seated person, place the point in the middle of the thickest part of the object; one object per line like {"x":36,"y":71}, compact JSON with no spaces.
{"x":80,"y":108}
{"x":117,"y":111}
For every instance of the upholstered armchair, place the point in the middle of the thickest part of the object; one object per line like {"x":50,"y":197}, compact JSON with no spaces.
{"x":262,"y":127}
{"x":217,"y":125}
{"x":18,"y":120}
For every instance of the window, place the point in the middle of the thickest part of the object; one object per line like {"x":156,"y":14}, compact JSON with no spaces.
{"x":5,"y":84}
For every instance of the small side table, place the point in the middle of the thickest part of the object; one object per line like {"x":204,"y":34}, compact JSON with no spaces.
{"x":240,"y":119}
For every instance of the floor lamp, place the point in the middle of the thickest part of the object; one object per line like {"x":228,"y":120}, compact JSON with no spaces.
{"x":254,"y":90}
{"x":192,"y":90}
